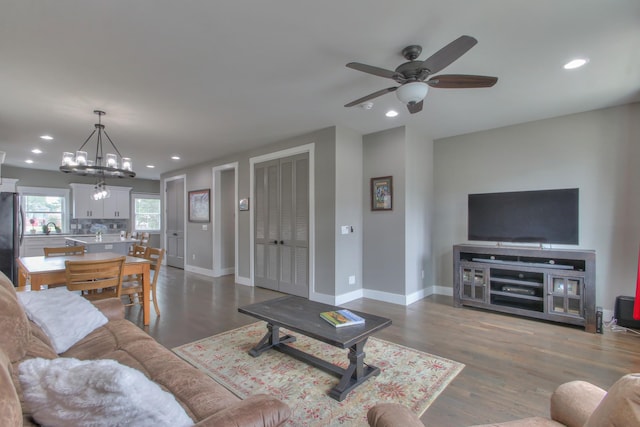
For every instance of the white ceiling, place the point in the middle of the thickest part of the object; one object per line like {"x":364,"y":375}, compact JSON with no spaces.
{"x":204,"y":79}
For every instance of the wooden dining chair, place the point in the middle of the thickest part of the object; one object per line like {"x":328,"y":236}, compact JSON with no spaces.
{"x":95,"y":279}
{"x":137,"y":250}
{"x":64,"y":250}
{"x":132,"y":289}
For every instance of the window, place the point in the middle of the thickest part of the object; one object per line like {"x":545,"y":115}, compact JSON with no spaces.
{"x":146,"y":212}
{"x":45,"y":207}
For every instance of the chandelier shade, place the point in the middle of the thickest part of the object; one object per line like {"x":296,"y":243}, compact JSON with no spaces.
{"x":101,"y":166}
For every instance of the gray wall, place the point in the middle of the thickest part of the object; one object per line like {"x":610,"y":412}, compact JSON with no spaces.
{"x":54,"y":179}
{"x":596,"y":151}
{"x":419,"y":194}
{"x":348,"y":202}
{"x":200,"y":247}
{"x":227,"y":213}
{"x":200,"y":177}
{"x":384,"y":231}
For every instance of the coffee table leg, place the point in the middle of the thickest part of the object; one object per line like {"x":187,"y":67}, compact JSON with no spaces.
{"x":355,"y":374}
{"x":271,"y":339}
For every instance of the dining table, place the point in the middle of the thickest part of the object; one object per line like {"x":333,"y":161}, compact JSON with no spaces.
{"x":37,"y":271}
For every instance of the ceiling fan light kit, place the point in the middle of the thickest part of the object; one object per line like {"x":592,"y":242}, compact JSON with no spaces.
{"x":412,"y":92}
{"x":412,"y":75}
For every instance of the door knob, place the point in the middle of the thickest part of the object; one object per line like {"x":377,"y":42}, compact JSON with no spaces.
{"x":282,"y":242}
{"x":275,"y":242}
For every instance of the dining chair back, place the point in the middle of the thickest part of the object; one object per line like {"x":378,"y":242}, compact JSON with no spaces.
{"x":137,"y":250}
{"x":134,"y":287}
{"x":64,"y":250}
{"x":95,"y":279}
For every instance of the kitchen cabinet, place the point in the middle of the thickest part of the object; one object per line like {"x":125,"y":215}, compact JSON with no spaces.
{"x":34,"y":246}
{"x":114,"y":207}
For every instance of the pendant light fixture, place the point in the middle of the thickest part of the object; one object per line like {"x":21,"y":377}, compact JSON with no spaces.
{"x":101,"y":166}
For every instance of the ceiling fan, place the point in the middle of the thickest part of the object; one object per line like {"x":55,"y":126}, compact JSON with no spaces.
{"x":412,"y":75}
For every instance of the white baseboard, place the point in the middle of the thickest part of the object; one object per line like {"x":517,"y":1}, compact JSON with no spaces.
{"x":443,"y":290}
{"x":224,"y":271}
{"x":246,"y":281}
{"x":199,"y":270}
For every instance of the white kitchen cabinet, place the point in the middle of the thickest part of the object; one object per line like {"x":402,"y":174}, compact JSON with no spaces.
{"x":34,"y":246}
{"x":114,"y":207}
{"x":117,"y":205}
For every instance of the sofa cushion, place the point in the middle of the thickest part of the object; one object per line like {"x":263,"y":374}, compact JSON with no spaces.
{"x":64,"y":316}
{"x":10,"y":408}
{"x":123,"y":341}
{"x":70,"y":392}
{"x":14,"y":325}
{"x":620,"y":406}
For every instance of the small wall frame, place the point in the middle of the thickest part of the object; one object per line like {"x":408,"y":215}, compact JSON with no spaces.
{"x":199,"y":206}
{"x":382,"y":193}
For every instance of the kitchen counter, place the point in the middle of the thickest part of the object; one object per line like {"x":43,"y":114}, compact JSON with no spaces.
{"x":108,"y":243}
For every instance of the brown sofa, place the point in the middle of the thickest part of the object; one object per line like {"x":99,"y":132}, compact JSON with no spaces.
{"x":204,"y":400}
{"x":573,"y":404}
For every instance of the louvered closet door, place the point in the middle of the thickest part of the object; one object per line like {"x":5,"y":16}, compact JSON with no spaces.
{"x":266,"y":231}
{"x":281,"y":228}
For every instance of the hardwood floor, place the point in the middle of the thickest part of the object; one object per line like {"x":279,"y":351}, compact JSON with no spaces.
{"x":512,"y":364}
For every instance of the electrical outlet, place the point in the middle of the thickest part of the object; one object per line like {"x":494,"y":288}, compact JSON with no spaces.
{"x":423,"y":274}
{"x":204,"y":227}
{"x":352,"y":280}
{"x":193,"y":256}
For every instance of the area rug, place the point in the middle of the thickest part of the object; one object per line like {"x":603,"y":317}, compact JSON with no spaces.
{"x":409,"y":377}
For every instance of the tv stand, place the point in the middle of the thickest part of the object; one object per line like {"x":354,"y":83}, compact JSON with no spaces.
{"x":550,"y":284}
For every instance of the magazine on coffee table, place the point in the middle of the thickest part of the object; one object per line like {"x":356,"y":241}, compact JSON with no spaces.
{"x":340,"y":318}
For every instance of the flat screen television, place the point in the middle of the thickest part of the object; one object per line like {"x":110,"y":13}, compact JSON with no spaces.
{"x":544,"y":216}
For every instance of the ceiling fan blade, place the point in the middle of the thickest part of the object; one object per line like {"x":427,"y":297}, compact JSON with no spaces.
{"x":376,"y":71}
{"x":415,"y":108}
{"x":448,"y":54}
{"x":371,"y":96}
{"x":461,"y":81}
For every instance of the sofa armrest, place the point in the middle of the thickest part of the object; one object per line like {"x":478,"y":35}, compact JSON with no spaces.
{"x":112,"y":308}
{"x":572,"y":403}
{"x":256,"y":410}
{"x":392,"y":414}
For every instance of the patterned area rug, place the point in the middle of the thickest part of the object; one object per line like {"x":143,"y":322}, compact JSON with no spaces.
{"x":410,"y":377}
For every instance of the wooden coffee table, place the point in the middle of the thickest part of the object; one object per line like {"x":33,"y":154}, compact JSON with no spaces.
{"x":303,"y":316}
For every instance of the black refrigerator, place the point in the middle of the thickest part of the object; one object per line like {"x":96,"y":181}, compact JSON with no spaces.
{"x":11,"y":226}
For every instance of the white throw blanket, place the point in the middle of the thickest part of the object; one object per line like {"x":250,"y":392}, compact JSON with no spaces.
{"x":64,"y":316}
{"x":98,"y":393}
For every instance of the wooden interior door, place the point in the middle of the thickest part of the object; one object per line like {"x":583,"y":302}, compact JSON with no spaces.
{"x":281,"y":229}
{"x":174,"y":233}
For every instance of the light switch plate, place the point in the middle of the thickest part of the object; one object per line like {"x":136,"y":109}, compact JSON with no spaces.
{"x":204,"y":227}
{"x":344,"y":229}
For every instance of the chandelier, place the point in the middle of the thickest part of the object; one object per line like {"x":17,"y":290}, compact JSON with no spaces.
{"x":101,"y":166}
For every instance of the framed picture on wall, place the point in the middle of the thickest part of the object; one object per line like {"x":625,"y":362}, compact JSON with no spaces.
{"x":199,"y":206}
{"x":382,"y":193}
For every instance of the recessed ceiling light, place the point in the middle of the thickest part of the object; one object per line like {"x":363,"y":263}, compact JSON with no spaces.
{"x":28,"y":161}
{"x":391,"y":113}
{"x":575,"y":63}
{"x":47,"y":137}
{"x":36,"y":151}
{"x":150,"y":166}
{"x":175,"y":157}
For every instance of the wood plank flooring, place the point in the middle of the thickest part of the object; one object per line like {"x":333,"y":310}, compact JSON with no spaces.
{"x":512,"y":364}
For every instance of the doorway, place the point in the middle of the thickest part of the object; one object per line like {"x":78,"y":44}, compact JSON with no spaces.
{"x":225,"y":224}
{"x":175,"y":215}
{"x":282,"y":223}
